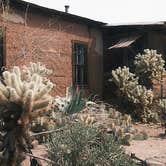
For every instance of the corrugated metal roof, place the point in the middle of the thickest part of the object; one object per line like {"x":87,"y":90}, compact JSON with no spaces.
{"x":125,"y":42}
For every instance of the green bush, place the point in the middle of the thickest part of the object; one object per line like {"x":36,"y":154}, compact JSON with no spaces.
{"x":82,"y":145}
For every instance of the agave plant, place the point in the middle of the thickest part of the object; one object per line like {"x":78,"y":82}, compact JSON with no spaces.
{"x":73,"y":101}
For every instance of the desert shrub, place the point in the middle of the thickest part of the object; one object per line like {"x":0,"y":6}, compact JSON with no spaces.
{"x":24,"y":94}
{"x":149,"y":65}
{"x":141,"y":136}
{"x":131,"y":90}
{"x":81,"y":145}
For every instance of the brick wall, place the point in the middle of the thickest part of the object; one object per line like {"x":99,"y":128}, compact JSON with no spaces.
{"x":49,"y":41}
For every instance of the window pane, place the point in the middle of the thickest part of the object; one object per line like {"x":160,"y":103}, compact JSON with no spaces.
{"x":80,"y":75}
{"x":79,"y":64}
{"x":79,"y":54}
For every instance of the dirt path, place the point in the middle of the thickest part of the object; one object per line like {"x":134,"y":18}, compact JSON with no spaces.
{"x":153,"y":150}
{"x":39,"y":151}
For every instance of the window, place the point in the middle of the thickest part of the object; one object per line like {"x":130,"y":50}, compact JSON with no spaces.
{"x":2,"y":57}
{"x":79,"y":64}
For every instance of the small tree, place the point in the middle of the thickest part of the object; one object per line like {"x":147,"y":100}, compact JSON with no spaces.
{"x":23,"y":95}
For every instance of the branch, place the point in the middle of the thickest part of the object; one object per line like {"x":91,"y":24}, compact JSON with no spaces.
{"x":40,"y":158}
{"x":46,"y":132}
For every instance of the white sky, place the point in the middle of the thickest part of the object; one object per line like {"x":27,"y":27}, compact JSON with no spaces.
{"x":112,"y":11}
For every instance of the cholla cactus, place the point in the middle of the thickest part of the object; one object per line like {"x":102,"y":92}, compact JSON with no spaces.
{"x":87,"y":119}
{"x":22,"y":96}
{"x":142,"y":95}
{"x":37,"y":68}
{"x":162,"y":105}
{"x":128,"y":84}
{"x":150,"y":64}
{"x":129,"y":87}
{"x":108,"y":119}
{"x":122,"y":77}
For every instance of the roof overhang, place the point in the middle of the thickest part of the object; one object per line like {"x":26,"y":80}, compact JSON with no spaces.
{"x":23,"y":4}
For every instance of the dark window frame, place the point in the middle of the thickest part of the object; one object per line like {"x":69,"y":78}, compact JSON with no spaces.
{"x":3,"y":49}
{"x":83,"y":67}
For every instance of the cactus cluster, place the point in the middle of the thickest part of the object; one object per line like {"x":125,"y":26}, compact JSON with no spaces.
{"x":137,"y":94}
{"x":28,"y":90}
{"x":36,"y":68}
{"x":122,"y":127}
{"x":110,"y":120}
{"x":128,"y":85}
{"x":150,"y":64}
{"x":162,"y":105}
{"x":133,"y":87}
{"x":24,"y":94}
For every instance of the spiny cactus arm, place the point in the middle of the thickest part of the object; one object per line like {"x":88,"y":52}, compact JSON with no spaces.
{"x":38,"y":69}
{"x":7,"y":78}
{"x":16,"y":84}
{"x":39,"y":112}
{"x":28,"y":101}
{"x":3,"y":99}
{"x":4,"y":90}
{"x":41,"y":103}
{"x":26,"y":74}
{"x":14,"y":97}
{"x":44,"y":91}
{"x":115,"y":78}
{"x":17,"y":71}
{"x":43,"y":70}
{"x":37,"y":79}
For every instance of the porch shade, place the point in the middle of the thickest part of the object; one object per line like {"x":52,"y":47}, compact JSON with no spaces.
{"x":125,"y":42}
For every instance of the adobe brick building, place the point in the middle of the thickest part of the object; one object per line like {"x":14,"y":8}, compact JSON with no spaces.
{"x":70,"y":45}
